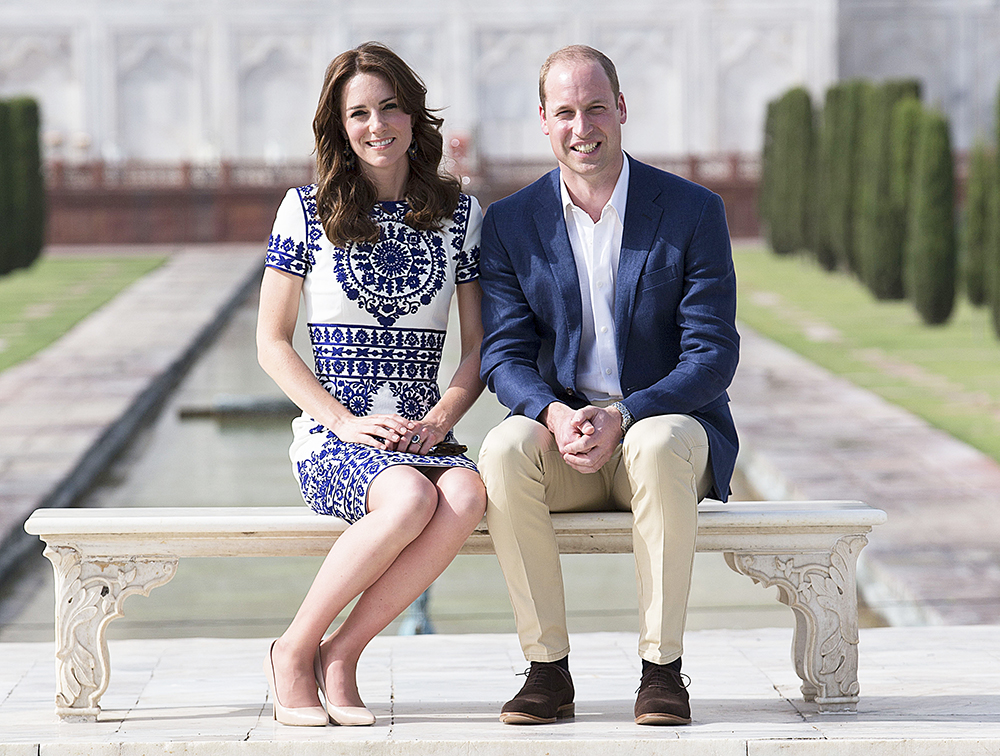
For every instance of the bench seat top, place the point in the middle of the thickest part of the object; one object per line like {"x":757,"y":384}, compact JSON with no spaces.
{"x":277,"y":531}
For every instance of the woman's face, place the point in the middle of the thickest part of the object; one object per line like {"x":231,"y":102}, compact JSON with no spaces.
{"x":377,"y":128}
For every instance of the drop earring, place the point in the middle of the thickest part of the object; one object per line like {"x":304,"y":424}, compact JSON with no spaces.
{"x":348,"y":158}
{"x":412,"y":149}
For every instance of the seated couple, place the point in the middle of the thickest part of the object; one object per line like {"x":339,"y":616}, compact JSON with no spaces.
{"x":598,"y":304}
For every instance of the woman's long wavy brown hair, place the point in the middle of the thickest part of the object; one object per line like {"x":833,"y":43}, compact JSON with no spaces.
{"x":344,"y":196}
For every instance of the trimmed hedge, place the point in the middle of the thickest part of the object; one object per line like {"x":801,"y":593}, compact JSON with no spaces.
{"x":992,"y":254}
{"x":878,"y":241}
{"x":906,"y":115}
{"x":22,"y":188}
{"x":843,"y":103}
{"x":931,"y":233}
{"x":788,"y":161}
{"x":826,"y":161}
{"x":7,"y":242}
{"x":976,"y":215}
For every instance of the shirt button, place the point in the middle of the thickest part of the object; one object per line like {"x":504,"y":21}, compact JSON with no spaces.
{"x":604,"y":329}
{"x":608,"y":371}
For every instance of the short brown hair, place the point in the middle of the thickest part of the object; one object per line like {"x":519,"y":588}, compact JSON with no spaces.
{"x":578,"y":54}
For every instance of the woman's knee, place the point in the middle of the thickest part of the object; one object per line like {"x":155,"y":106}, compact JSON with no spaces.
{"x":465,"y":493}
{"x":406,"y":497}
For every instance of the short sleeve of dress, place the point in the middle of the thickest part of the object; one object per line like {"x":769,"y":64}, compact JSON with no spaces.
{"x":467,"y":268}
{"x":288,"y":249}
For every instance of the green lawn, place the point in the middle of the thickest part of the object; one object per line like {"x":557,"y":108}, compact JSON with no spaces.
{"x":949,"y":375}
{"x":40,"y":304}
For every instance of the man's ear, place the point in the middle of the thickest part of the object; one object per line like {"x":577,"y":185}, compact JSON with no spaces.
{"x":541,"y":117}
{"x":621,"y":108}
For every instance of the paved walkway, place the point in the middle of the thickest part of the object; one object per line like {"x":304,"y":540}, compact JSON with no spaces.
{"x":808,"y":434}
{"x":924,"y":692}
{"x":68,"y":410}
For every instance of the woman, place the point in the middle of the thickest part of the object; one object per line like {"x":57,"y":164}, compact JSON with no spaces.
{"x":376,"y":249}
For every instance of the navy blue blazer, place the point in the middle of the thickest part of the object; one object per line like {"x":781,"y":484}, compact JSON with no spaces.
{"x":675,"y":306}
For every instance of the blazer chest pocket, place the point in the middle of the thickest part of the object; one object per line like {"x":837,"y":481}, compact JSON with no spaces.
{"x":658,"y":277}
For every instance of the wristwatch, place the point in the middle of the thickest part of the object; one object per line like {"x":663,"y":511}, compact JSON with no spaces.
{"x":627,"y":420}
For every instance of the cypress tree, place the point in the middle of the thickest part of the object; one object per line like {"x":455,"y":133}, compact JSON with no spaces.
{"x":992,"y":256}
{"x":789,"y":172}
{"x":931,"y":233}
{"x":905,"y":121}
{"x":975,"y":223}
{"x":825,"y":156}
{"x":879,"y":254}
{"x":843,"y":103}
{"x":765,"y":190}
{"x":6,"y":187}
{"x":28,"y":186}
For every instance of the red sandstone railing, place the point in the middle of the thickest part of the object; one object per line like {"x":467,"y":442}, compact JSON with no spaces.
{"x":139,"y":202}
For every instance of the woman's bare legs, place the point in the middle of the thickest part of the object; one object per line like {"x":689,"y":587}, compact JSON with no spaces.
{"x":461,"y":504}
{"x":405,"y":507}
{"x":357,"y":559}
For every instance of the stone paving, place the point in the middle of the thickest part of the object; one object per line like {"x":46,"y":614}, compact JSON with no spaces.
{"x":924,"y":692}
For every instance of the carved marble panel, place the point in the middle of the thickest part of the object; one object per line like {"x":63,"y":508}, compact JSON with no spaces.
{"x":653,"y":71}
{"x":881,"y":44}
{"x":41,"y":64}
{"x":984,"y":85}
{"x":157,"y":94}
{"x":506,"y":81}
{"x":758,"y":60}
{"x":420,"y":46}
{"x":276,"y":96}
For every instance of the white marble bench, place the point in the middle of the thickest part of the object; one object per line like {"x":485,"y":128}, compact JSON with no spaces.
{"x":102,"y":556}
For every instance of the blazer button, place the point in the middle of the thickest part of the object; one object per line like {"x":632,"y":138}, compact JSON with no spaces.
{"x":569,"y":391}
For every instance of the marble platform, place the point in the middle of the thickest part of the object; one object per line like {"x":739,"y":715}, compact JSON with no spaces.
{"x":931,"y":691}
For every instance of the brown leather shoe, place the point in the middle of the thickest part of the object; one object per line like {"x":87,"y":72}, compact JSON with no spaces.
{"x":547,"y":695}
{"x":663,"y":698}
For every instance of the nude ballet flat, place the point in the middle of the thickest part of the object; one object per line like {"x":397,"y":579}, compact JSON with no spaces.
{"x":304,"y":716}
{"x":345,"y":716}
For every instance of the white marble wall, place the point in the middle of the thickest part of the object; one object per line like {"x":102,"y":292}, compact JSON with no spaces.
{"x":952,"y":46}
{"x":203,"y":80}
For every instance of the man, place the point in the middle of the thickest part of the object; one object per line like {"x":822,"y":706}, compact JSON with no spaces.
{"x":609,"y":310}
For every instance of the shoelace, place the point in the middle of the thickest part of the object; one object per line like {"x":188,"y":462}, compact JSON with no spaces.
{"x":664,"y":677}
{"x":542,"y":674}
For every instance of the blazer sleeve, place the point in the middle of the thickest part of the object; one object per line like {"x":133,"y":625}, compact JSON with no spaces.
{"x":706,"y":317}
{"x":511,"y":344}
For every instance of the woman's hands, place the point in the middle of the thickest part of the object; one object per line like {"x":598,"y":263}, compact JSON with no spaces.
{"x":386,"y":432}
{"x":424,"y":436}
{"x":390,"y":432}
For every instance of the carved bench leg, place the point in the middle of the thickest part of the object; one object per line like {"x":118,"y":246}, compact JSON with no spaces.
{"x":822,"y":593}
{"x":89,"y":594}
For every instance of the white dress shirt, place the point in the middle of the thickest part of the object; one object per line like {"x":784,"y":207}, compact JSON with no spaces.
{"x":596,"y":250}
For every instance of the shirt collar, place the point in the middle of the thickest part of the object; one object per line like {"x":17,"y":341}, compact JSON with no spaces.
{"x":619,"y":197}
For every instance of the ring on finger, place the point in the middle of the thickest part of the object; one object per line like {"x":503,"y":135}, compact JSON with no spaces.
{"x":415,"y":439}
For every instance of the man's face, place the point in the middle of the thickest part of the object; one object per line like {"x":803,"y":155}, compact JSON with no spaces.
{"x":582,"y":118}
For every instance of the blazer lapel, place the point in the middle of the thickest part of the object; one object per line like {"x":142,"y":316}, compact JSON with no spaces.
{"x":642,"y":218}
{"x":550,"y":223}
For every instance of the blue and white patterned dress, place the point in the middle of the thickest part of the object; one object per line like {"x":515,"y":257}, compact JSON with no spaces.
{"x":377,"y":315}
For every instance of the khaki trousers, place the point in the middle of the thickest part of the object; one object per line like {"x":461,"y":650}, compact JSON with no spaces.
{"x":660,"y":472}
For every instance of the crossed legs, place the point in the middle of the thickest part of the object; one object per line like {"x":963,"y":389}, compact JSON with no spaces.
{"x":415,"y":526}
{"x":660,"y":472}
